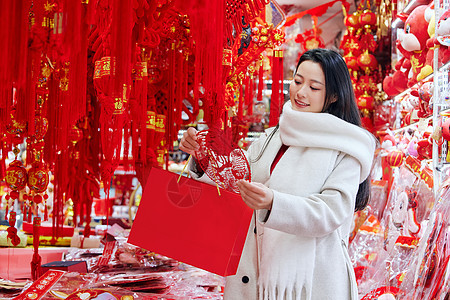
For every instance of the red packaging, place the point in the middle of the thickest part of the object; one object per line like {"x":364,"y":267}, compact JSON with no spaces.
{"x":190,"y":222}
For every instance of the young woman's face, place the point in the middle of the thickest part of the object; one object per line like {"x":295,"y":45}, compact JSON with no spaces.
{"x":307,"y":90}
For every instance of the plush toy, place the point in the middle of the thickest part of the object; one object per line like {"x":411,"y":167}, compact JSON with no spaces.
{"x":414,"y":39}
{"x":412,"y":45}
{"x":424,"y":93}
{"x":443,"y":29}
{"x":409,"y":108}
{"x":439,"y":40}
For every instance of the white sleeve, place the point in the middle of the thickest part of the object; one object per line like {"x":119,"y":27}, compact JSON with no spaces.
{"x":318,"y":214}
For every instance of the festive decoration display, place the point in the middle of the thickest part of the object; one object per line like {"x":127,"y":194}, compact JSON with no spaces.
{"x":358,"y":46}
{"x":91,"y":85}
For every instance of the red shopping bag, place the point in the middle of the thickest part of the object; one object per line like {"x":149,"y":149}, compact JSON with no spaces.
{"x":190,"y":222}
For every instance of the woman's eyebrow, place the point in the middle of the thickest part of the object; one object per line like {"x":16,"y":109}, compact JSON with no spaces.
{"x":316,"y":81}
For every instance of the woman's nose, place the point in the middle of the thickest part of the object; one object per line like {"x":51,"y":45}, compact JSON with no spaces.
{"x":301,"y":90}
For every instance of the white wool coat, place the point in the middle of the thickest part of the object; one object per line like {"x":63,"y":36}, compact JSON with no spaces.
{"x":298,"y":250}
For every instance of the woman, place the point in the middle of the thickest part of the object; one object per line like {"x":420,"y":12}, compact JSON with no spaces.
{"x":309,"y":174}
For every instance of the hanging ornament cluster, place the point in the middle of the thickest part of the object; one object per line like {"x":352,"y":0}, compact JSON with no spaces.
{"x":359,"y":44}
{"x":311,"y":39}
{"x":122,"y":80}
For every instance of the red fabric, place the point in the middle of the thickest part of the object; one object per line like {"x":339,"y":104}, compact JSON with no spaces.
{"x":280,"y":153}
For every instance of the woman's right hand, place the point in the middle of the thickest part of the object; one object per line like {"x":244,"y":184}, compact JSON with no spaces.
{"x":188,"y":142}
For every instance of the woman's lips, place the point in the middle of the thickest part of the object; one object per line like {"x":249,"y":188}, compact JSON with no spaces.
{"x":301,"y":103}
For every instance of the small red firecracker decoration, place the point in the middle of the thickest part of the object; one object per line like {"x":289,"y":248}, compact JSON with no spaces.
{"x":395,"y":158}
{"x":12,"y":231}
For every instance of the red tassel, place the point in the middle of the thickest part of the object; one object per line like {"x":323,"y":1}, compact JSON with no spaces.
{"x":36,"y":261}
{"x":274,"y":101}
{"x":7,"y":210}
{"x":250,"y":96}
{"x":260,"y":83}
{"x":45,"y":211}
{"x":281,"y":76}
{"x":30,"y":213}
{"x":24,"y":211}
{"x":277,"y":88}
{"x":241,"y":102}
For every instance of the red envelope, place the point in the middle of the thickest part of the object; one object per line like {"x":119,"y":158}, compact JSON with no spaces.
{"x":189,"y":222}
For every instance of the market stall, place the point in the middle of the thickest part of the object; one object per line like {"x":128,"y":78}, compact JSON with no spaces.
{"x":96,"y":95}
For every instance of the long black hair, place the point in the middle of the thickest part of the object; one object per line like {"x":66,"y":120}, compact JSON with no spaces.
{"x":339,"y":99}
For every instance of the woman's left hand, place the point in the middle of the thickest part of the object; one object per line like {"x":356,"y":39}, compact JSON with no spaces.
{"x":256,"y":195}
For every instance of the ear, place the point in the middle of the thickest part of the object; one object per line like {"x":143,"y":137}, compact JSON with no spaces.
{"x":333,"y":99}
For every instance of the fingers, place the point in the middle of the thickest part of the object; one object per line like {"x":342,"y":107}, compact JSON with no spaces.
{"x":188,"y":142}
{"x":255,"y":195}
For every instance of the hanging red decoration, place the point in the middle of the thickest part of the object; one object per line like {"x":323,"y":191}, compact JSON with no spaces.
{"x":367,"y":62}
{"x":365,"y":101}
{"x":352,"y":63}
{"x":36,"y":261}
{"x":367,"y":18}
{"x":16,"y":176}
{"x":12,"y":230}
{"x":38,"y":178}
{"x":395,"y":158}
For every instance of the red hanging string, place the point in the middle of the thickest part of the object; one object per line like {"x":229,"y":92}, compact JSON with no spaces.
{"x":281,"y":77}
{"x":275,"y":98}
{"x":240,"y":113}
{"x":250,"y":88}
{"x":260,"y":83}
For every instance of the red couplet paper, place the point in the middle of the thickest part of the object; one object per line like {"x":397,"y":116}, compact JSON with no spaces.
{"x":190,"y":222}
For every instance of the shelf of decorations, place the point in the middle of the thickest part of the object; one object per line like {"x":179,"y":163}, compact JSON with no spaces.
{"x":399,"y":243}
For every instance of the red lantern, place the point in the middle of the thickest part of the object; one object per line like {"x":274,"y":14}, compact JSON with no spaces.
{"x":395,"y":158}
{"x":367,"y":18}
{"x":352,"y":20}
{"x":352,"y":63}
{"x":38,"y":178}
{"x":367,"y":62}
{"x":16,"y":176}
{"x":365,"y":101}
